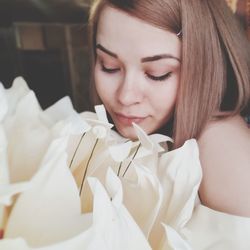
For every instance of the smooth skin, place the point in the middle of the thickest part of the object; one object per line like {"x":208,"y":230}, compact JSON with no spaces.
{"x":136,"y":73}
{"x":137,"y":77}
{"x":225,"y":158}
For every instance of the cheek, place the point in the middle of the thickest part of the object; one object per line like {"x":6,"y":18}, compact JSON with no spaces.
{"x":103,"y":86}
{"x":100,"y":81}
{"x":165,"y":100}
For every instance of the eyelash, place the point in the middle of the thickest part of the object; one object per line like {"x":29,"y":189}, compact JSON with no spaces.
{"x":159,"y":78}
{"x":110,"y":71}
{"x":154,"y":78}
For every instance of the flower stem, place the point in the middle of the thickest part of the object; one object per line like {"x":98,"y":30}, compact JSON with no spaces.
{"x":73,"y":157}
{"x":136,"y":151}
{"x":86,"y":169}
{"x":119,"y":169}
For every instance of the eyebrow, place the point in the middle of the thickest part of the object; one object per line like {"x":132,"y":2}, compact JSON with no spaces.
{"x":100,"y":47}
{"x":143,"y":60}
{"x":159,"y":57}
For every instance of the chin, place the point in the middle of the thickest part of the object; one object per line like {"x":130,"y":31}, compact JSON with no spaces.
{"x":128,"y":133}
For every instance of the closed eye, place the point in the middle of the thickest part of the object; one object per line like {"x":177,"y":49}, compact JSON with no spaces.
{"x":159,"y":78}
{"x":109,"y":70}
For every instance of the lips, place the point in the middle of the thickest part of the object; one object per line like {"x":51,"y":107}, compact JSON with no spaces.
{"x":128,"y":120}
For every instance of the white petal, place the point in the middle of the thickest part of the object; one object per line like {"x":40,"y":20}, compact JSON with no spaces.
{"x":14,"y":94}
{"x":28,"y":105}
{"x":150,"y":142}
{"x":113,"y":228}
{"x":25,"y":156}
{"x":20,"y":83}
{"x":120,"y":151}
{"x":174,"y":240}
{"x":101,"y":113}
{"x":4,"y":176}
{"x":143,"y":137}
{"x":179,"y":172}
{"x":62,"y":109}
{"x":114,"y":187}
{"x":3,"y":103}
{"x":113,"y":224}
{"x":99,"y":131}
{"x":14,"y":244}
{"x":8,"y":190}
{"x":50,"y":211}
{"x":145,"y":193}
{"x":210,"y":229}
{"x":79,"y":126}
{"x":98,"y":118}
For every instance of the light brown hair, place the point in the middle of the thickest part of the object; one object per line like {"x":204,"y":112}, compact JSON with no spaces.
{"x":215,"y":57}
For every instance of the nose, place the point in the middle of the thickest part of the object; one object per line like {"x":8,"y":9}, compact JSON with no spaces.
{"x":131,"y":90}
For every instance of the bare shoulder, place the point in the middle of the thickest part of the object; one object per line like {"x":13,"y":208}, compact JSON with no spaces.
{"x":225,"y":158}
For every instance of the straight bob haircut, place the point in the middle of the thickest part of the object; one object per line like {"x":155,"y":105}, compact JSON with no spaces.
{"x":215,"y":65}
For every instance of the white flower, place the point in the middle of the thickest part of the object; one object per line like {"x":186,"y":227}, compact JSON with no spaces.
{"x":120,"y":152}
{"x":53,"y":219}
{"x":68,"y":183}
{"x":151,"y":142}
{"x":26,"y":132}
{"x":99,"y":131}
{"x":174,"y":241}
{"x":179,"y":173}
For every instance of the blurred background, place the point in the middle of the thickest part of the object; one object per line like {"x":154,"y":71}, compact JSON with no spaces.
{"x":46,"y":42}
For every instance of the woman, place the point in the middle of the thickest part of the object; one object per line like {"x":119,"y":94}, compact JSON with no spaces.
{"x":181,"y":67}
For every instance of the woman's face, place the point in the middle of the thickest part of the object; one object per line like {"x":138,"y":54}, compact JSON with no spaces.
{"x":136,"y":72}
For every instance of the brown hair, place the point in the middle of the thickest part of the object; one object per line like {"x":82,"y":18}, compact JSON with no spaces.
{"x":215,"y":57}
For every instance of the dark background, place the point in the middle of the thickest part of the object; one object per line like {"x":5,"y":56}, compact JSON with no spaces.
{"x":45,"y":41}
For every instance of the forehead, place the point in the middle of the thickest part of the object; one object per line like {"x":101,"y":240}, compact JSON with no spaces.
{"x":117,"y":29}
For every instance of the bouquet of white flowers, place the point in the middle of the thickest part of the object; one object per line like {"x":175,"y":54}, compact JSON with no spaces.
{"x":67,"y":181}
